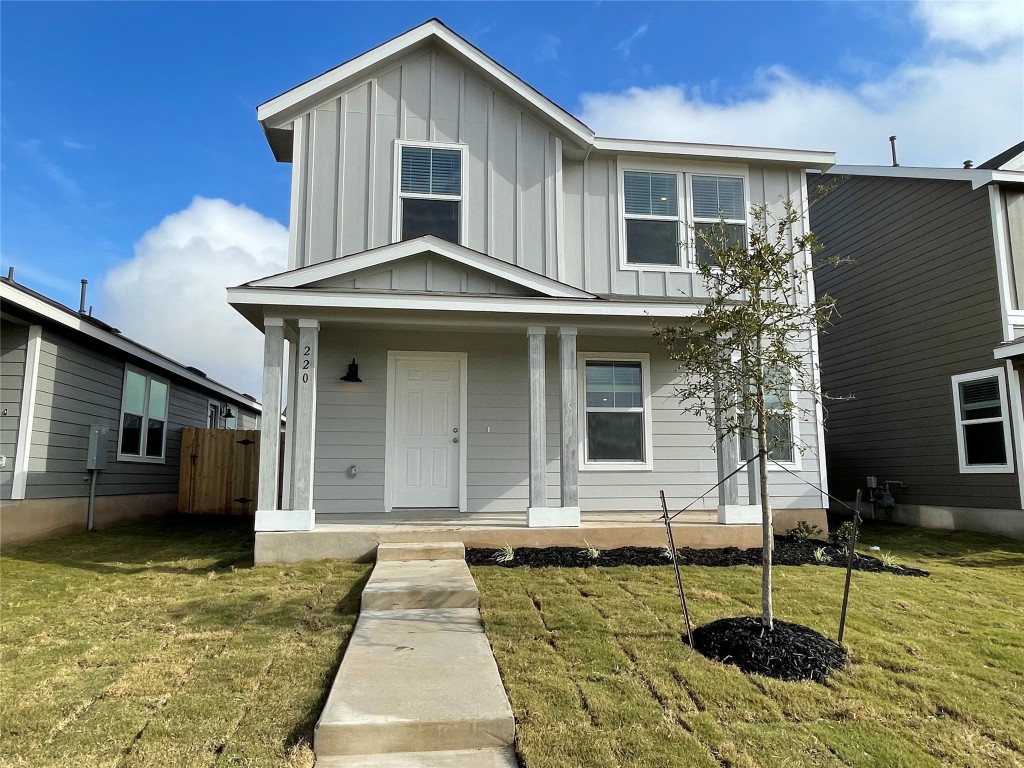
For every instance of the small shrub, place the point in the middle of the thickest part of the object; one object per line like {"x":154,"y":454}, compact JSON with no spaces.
{"x":804,"y":531}
{"x":590,"y":551}
{"x":821,"y":556}
{"x":506,"y":554}
{"x":666,"y":552}
{"x":841,"y":535}
{"x":888,"y":560}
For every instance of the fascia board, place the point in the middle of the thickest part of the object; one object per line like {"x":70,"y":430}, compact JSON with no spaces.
{"x":807,"y":159}
{"x":978,"y":177}
{"x":1008,"y":351}
{"x":300,"y":299}
{"x":281,"y":110}
{"x":393,"y":253}
{"x":71,"y":321}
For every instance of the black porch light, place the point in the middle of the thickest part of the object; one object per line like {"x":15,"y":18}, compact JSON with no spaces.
{"x":227,"y":412}
{"x":353,"y":372}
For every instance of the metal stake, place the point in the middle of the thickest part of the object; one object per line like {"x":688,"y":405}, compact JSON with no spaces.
{"x":675,"y":567}
{"x":849,"y":568}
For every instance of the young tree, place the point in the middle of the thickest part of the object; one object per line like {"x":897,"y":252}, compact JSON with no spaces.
{"x":748,"y":350}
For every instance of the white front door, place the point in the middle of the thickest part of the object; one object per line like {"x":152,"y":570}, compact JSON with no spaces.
{"x":426,"y":438}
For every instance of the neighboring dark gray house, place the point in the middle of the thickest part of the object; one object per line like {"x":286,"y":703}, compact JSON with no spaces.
{"x":64,"y":372}
{"x":929,"y":343}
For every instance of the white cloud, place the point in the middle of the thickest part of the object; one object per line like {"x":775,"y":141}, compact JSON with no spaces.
{"x":944,"y":111}
{"x":171,"y":295}
{"x":977,"y":24}
{"x":625,"y":47}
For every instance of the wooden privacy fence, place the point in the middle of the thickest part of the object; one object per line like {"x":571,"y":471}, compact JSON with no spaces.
{"x":219,"y":471}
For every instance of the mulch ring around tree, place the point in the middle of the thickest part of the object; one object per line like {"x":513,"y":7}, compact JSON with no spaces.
{"x":787,"y":552}
{"x":787,"y":652}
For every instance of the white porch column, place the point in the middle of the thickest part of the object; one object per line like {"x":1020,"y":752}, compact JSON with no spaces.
{"x":268,"y":515}
{"x":538,"y":419}
{"x":307,"y":357}
{"x":570,"y":463}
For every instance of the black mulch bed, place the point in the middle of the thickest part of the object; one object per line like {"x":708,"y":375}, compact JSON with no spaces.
{"x":788,"y":652}
{"x":787,"y":552}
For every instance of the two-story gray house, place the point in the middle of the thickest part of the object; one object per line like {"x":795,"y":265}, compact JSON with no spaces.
{"x":472,"y":280}
{"x":929,"y":343}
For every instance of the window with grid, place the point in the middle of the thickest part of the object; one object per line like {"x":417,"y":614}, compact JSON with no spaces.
{"x":652,"y":218}
{"x":430,"y":192}
{"x":780,"y":426}
{"x":717,"y":199}
{"x":983,"y":432}
{"x":143,"y":432}
{"x":616,"y":414}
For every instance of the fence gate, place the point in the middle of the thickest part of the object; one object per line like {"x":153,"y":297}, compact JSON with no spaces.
{"x":219,"y":471}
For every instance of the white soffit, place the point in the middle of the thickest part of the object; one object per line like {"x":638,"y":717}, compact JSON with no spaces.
{"x":426,"y":245}
{"x":281,"y":110}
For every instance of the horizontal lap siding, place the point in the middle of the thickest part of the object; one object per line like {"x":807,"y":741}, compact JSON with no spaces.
{"x":351,"y":428}
{"x":13,"y":344}
{"x":918,"y":305}
{"x":80,"y":386}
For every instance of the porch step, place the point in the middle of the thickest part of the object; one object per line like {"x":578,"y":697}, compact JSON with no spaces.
{"x":497,"y":757}
{"x":402,"y":584}
{"x":434,"y":550}
{"x":418,"y":680}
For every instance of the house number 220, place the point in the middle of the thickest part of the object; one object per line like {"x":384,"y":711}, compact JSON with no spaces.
{"x":305,"y":364}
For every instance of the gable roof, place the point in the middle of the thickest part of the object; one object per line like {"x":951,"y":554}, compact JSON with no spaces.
{"x":428,"y":244}
{"x":276,"y":114}
{"x":30,"y":304}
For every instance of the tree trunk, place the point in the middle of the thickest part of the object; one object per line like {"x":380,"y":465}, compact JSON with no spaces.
{"x":768,"y":536}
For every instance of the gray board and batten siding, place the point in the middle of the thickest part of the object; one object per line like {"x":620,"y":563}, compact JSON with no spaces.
{"x":918,"y":304}
{"x":526,"y":200}
{"x":13,"y":343}
{"x":78,"y":385}
{"x":351,"y":428}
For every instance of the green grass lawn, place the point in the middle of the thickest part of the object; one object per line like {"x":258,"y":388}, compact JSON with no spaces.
{"x":157,"y":644}
{"x":598,"y":676}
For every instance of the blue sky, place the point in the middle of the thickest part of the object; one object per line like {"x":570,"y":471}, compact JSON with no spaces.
{"x":116,"y":117}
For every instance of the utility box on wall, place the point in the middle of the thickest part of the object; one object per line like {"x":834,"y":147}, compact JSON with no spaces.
{"x":99,"y":435}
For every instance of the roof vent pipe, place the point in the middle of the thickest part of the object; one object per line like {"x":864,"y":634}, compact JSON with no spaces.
{"x":968,"y":164}
{"x":10,"y":274}
{"x":81,"y":303}
{"x":892,"y":143}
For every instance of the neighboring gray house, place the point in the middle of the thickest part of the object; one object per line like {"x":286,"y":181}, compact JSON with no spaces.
{"x":471,"y":283}
{"x":64,"y":372}
{"x":929,"y":341}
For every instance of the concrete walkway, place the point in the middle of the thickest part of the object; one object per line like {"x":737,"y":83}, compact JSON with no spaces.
{"x":418,"y":685}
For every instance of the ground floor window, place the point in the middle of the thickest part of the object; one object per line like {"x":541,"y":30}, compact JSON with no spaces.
{"x":143,"y":433}
{"x":780,"y":427}
{"x":982,"y":421}
{"x":615,"y":417}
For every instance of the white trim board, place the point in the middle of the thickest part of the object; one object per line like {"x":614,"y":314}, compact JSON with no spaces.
{"x":978,"y":177}
{"x":462,"y":358}
{"x":26,"y":417}
{"x":426,"y":245}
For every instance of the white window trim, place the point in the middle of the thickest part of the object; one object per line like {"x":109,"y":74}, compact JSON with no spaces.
{"x":396,"y":218}
{"x":679,"y":219}
{"x":1004,"y":418}
{"x":644,"y":359}
{"x":143,"y":459}
{"x":683,"y":171}
{"x":694,"y":219}
{"x":219,"y":418}
{"x":794,"y":429}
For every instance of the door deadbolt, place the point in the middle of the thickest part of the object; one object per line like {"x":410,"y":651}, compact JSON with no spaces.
{"x":455,"y":430}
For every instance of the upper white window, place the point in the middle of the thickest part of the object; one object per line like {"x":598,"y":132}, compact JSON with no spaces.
{"x":652,"y":218}
{"x":717,"y":199}
{"x":143,"y":433}
{"x":982,"y":421}
{"x":615,"y":421}
{"x":430,"y":181}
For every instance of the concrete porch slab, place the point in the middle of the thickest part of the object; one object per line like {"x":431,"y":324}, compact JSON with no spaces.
{"x":498,"y":757}
{"x":403,"y":584}
{"x":414,"y":681}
